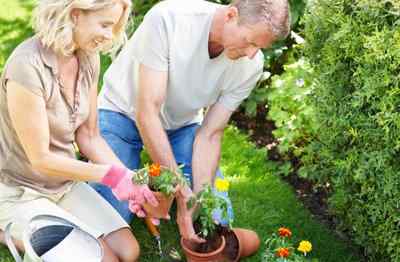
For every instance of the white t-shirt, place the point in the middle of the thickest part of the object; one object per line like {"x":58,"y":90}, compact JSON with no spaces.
{"x":173,"y":37}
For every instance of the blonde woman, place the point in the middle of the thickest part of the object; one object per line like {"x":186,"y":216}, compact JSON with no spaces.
{"x":48,"y":102}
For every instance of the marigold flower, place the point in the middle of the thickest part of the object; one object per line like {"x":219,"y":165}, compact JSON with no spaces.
{"x":305,"y":247}
{"x":221,"y":185}
{"x":155,"y":170}
{"x":284,"y":232}
{"x":282,"y":252}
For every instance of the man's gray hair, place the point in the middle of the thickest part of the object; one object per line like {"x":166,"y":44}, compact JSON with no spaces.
{"x":275,"y":13}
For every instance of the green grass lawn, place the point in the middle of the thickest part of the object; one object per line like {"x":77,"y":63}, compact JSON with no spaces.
{"x":260,"y":199}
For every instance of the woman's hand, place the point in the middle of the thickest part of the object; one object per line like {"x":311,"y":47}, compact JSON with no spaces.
{"x":120,"y":181}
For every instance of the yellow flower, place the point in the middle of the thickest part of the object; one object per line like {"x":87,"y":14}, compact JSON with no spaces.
{"x":221,"y":185}
{"x":305,"y":247}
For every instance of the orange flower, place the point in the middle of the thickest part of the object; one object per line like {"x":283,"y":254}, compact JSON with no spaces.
{"x":154,"y":170}
{"x":282,"y":252}
{"x":284,"y":232}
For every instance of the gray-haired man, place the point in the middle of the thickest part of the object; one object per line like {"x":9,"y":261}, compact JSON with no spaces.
{"x":186,"y":56}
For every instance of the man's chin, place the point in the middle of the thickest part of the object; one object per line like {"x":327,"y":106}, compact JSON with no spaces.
{"x":233,"y":56}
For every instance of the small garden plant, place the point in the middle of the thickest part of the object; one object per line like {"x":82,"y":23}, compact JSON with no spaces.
{"x":207,"y":203}
{"x":160,"y":179}
{"x":280,"y":248}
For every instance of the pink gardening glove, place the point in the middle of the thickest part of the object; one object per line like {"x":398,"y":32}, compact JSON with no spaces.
{"x":120,"y":181}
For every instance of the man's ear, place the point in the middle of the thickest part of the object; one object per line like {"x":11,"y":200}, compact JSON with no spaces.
{"x":231,"y":14}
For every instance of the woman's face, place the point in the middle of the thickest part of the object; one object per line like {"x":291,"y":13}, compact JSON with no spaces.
{"x":95,"y":28}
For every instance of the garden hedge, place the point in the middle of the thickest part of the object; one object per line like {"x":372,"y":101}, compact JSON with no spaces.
{"x":354,"y":49}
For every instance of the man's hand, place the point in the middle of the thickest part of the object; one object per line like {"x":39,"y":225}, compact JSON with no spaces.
{"x":184,"y":216}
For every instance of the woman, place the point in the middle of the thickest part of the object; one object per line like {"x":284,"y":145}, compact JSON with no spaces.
{"x":48,"y":100}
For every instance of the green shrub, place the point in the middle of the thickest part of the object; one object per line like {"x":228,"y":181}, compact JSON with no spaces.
{"x":354,"y":48}
{"x":290,"y":109}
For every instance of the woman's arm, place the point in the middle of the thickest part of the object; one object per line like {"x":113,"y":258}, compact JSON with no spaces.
{"x":89,"y":140}
{"x":29,"y":118}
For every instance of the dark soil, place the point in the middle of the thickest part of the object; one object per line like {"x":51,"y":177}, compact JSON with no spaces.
{"x":231,"y":249}
{"x":213,"y":242}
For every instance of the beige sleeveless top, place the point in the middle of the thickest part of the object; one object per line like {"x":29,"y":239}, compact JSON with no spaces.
{"x":35,"y":67}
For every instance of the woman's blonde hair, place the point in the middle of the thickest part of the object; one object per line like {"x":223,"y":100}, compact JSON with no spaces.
{"x":54,"y":26}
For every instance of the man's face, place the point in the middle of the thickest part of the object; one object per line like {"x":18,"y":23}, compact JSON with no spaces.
{"x":245,"y":40}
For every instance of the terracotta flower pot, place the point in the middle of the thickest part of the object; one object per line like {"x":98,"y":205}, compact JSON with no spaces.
{"x":164,"y":204}
{"x":247,"y":243}
{"x":193,"y":256}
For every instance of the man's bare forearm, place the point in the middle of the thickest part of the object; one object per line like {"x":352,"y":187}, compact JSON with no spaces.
{"x":206,"y":155}
{"x":155,"y":140}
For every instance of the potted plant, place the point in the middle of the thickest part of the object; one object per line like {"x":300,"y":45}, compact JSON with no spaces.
{"x":206,"y":201}
{"x":164,"y":183}
{"x":223,"y":243}
{"x":279,"y":248}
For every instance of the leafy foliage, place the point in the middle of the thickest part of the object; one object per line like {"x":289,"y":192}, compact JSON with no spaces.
{"x":354,"y":48}
{"x":167,"y":181}
{"x":290,"y":109}
{"x":160,"y":179}
{"x":207,"y":202}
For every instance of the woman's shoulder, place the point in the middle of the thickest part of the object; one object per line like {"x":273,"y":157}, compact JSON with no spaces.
{"x":27,"y":52}
{"x":29,"y":47}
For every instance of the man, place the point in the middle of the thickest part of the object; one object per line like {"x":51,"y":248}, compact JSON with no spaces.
{"x":186,"y":56}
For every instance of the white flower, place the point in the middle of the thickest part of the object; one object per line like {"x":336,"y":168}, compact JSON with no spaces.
{"x":300,"y":82}
{"x":265,"y":75}
{"x":279,"y":83}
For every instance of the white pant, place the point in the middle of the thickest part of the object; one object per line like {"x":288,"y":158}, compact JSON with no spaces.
{"x":81,"y":205}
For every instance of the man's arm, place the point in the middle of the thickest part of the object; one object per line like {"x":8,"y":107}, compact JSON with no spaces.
{"x":207,"y":145}
{"x":151,"y":95}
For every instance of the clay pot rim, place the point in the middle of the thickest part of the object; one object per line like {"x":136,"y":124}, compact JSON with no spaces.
{"x":239,"y":245}
{"x":203,"y":254}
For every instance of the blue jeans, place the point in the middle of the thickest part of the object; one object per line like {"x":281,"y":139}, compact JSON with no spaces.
{"x":122,"y":135}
